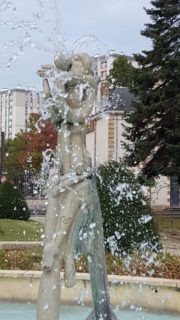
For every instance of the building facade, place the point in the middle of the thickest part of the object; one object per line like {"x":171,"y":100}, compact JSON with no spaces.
{"x":105,"y":140}
{"x":102,"y":65}
{"x":16,"y":105}
{"x":105,"y":136}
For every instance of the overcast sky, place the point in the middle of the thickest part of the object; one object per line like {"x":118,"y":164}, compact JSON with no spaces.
{"x":32,"y":31}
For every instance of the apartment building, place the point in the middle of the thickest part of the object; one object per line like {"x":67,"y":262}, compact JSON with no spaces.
{"x":15,"y":107}
{"x":102,"y":65}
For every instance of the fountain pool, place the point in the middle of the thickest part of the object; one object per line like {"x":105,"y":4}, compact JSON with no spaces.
{"x":19,"y":311}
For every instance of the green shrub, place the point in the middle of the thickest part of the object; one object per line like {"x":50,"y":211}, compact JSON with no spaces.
{"x":127,"y":220}
{"x":12,"y":203}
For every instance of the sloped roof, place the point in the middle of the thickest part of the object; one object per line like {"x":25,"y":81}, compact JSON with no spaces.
{"x":120,"y":100}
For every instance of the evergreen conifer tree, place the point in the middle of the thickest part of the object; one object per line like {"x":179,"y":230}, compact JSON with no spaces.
{"x":155,"y":124}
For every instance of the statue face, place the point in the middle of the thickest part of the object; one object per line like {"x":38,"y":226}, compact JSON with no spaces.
{"x":78,"y":66}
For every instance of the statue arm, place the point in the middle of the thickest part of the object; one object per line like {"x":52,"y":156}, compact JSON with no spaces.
{"x":45,"y":72}
{"x":56,"y":110}
{"x":46,"y":89}
{"x":66,"y":182}
{"x":80,"y":114}
{"x":55,"y":106}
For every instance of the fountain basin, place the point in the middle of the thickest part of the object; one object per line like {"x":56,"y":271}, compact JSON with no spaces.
{"x":152,"y":294}
{"x":19,"y":311}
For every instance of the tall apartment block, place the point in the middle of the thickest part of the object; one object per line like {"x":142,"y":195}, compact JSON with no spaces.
{"x":16,"y":105}
{"x":102,"y":65}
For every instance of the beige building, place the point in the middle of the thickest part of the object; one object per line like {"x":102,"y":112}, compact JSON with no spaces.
{"x":15,"y":107}
{"x":105,"y":139}
{"x":103,"y":64}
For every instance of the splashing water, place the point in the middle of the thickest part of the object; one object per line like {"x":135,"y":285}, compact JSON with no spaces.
{"x":36,"y":26}
{"x":31,"y":35}
{"x":89,"y":43}
{"x":60,"y":39}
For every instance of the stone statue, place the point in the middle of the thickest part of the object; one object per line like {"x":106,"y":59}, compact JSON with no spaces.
{"x":73,"y":219}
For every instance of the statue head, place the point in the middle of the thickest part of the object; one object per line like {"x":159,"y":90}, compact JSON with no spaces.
{"x":81,"y":63}
{"x":63,"y":62}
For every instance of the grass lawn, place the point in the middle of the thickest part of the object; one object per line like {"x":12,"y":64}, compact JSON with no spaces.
{"x":167,"y":223}
{"x":12,"y":230}
{"x":18,"y":230}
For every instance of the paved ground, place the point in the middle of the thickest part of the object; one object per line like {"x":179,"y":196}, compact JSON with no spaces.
{"x":171,"y":242}
{"x":39,"y":218}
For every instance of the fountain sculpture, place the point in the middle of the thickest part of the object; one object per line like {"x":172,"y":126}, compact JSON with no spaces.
{"x":73,"y":220}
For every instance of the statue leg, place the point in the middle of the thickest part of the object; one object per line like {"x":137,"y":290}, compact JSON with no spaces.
{"x":78,"y":206}
{"x":75,"y":246}
{"x":97,"y":265}
{"x":90,"y":241}
{"x":49,"y":293}
{"x":49,"y":289}
{"x":98,"y":278}
{"x":58,"y":233}
{"x":72,"y":241}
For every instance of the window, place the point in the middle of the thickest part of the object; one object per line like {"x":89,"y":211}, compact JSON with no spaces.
{"x":11,"y":98}
{"x":38,"y":98}
{"x":103,"y":74}
{"x":103,"y":64}
{"x":175,"y":192}
{"x":10,"y":110}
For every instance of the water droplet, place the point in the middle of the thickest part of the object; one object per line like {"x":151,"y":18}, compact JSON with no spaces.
{"x":46,"y":306}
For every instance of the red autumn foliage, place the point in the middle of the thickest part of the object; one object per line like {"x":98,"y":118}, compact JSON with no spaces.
{"x":41,"y":135}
